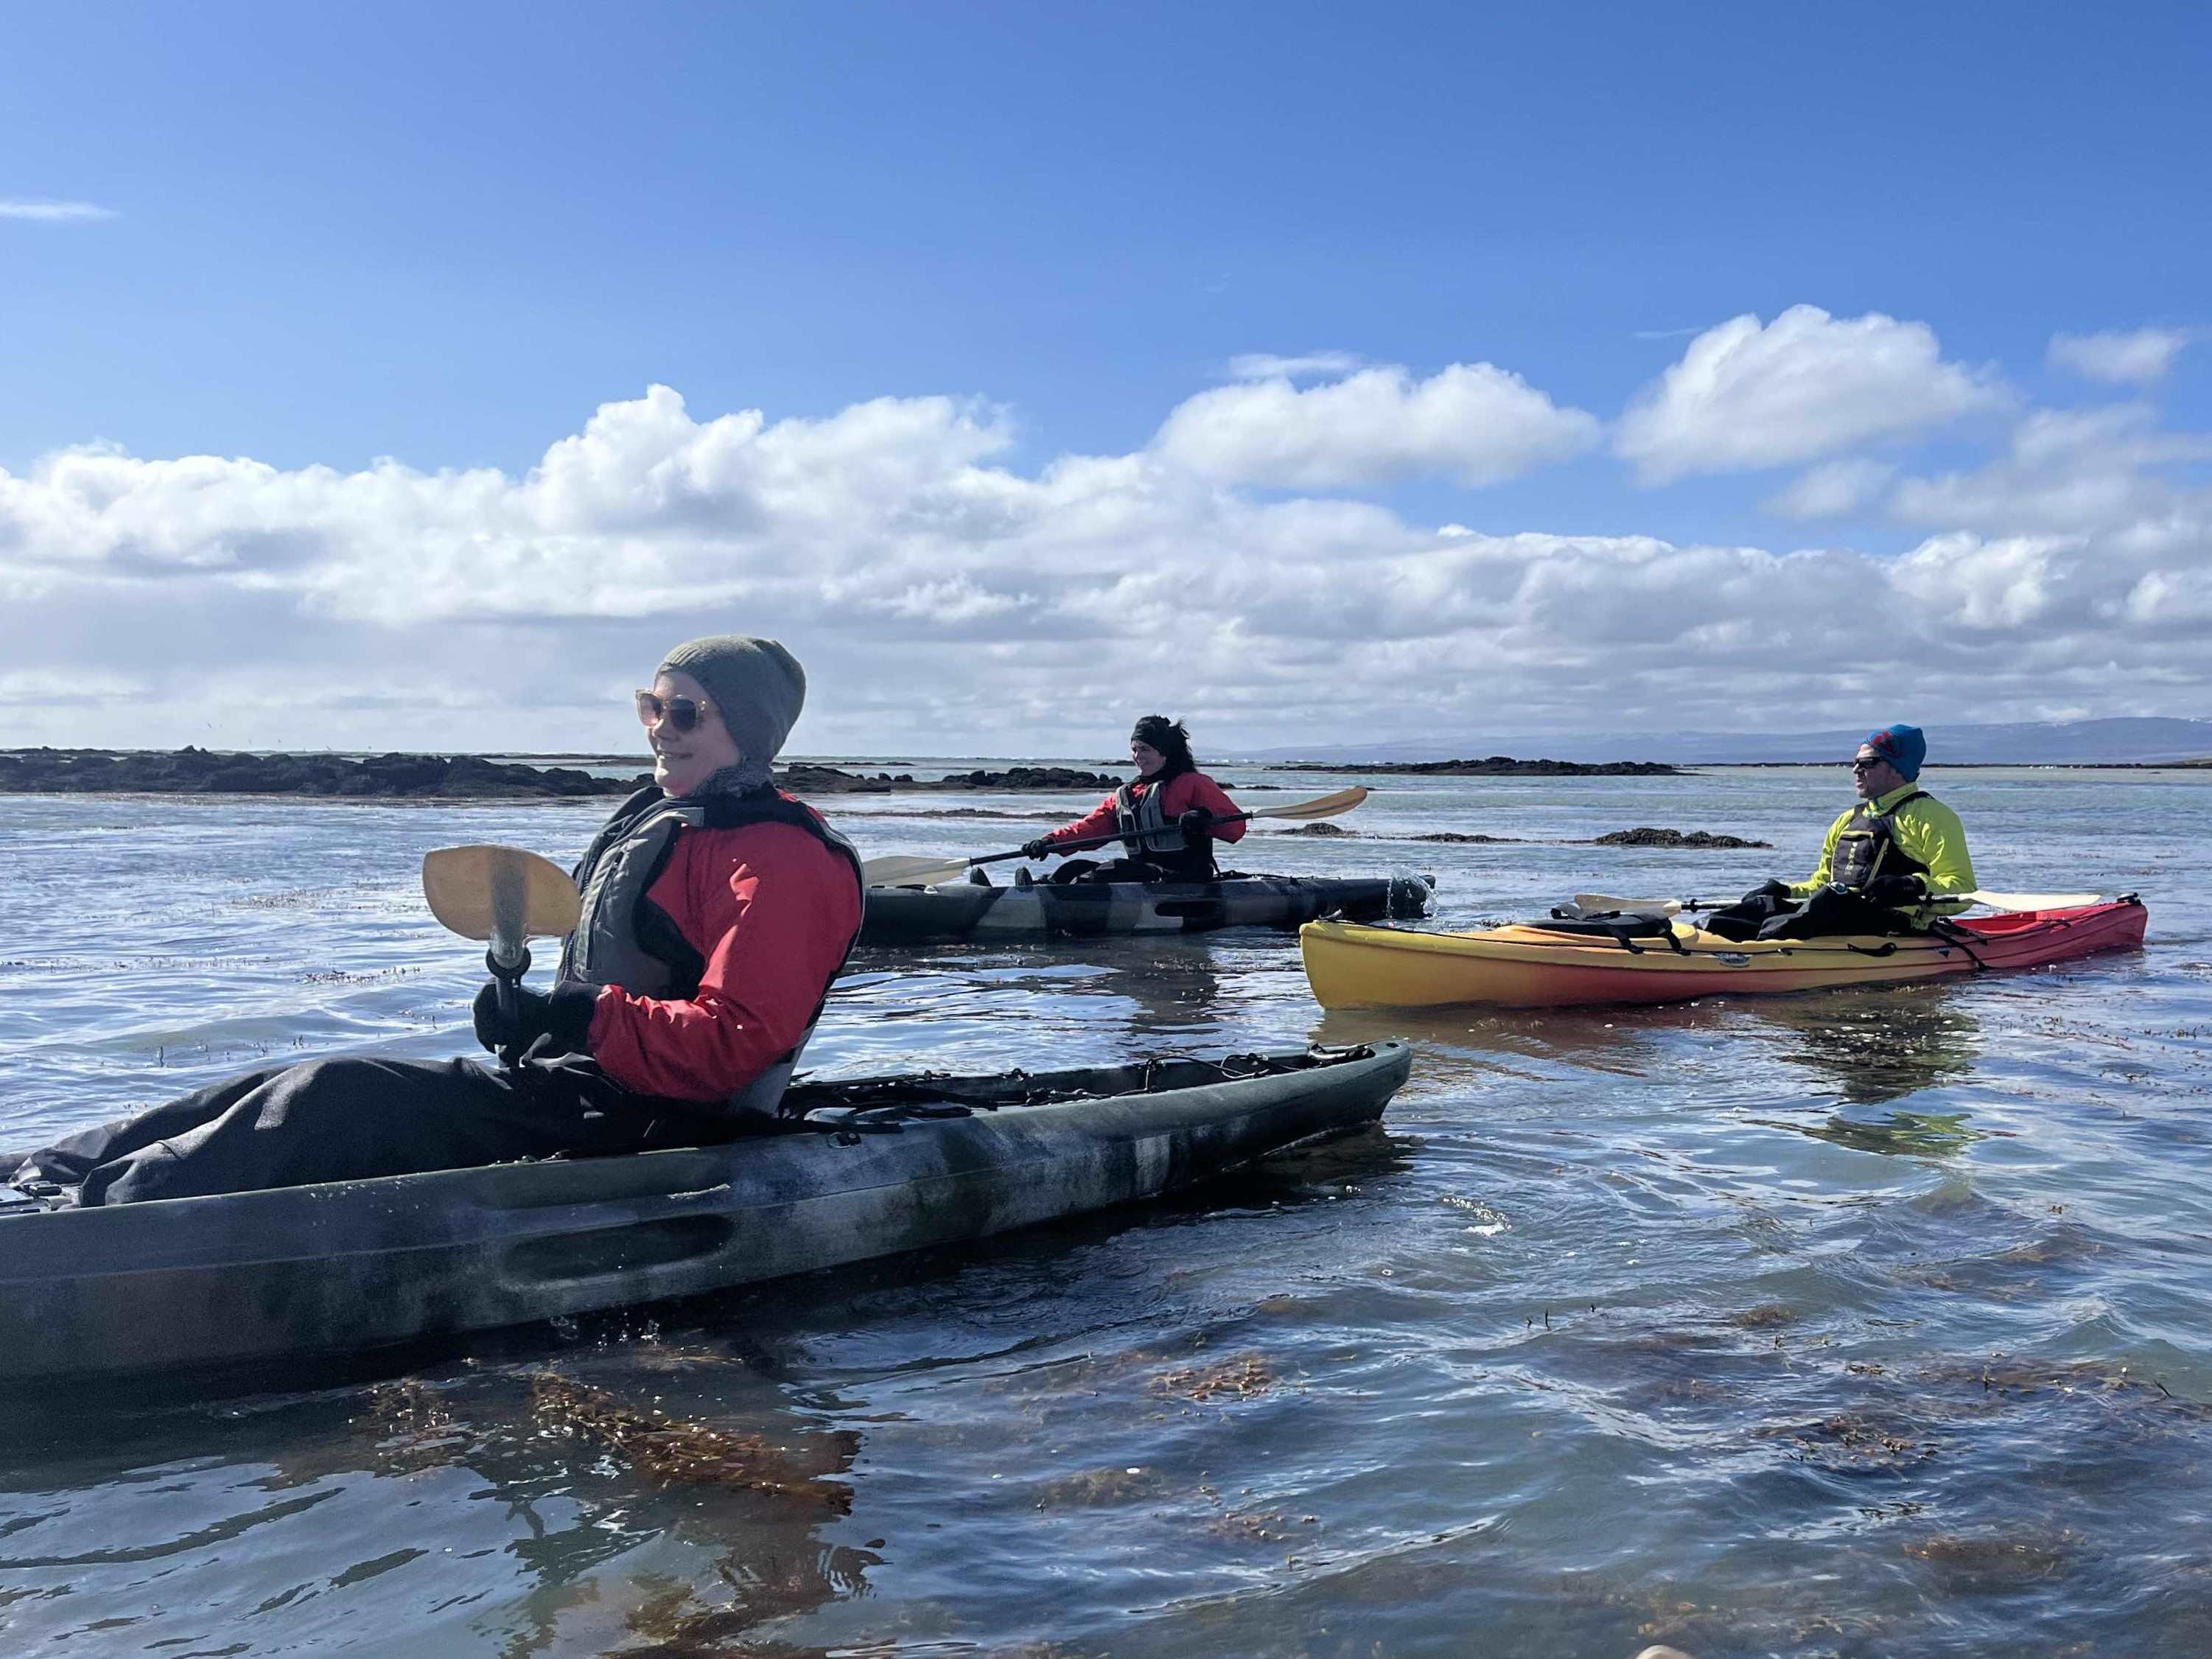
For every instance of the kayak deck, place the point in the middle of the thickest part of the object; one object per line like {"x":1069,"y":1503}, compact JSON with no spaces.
{"x":1530,"y":965}
{"x":968,"y":910}
{"x":878,"y":1166}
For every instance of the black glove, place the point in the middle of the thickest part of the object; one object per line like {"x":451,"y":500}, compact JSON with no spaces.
{"x":1898,"y":890}
{"x":1039,"y":848}
{"x":1769,"y":889}
{"x":566,"y":1017}
{"x":1197,"y":826}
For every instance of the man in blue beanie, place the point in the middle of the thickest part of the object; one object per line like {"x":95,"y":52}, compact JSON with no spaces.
{"x":1889,"y":864}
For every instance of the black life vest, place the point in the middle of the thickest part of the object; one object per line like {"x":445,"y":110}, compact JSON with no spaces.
{"x":1868,"y":847}
{"x":622,"y":938}
{"x":1155,"y":839}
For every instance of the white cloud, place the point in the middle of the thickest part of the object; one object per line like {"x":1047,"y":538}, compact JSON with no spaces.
{"x":1974,"y":583}
{"x":51,"y":212}
{"x":1832,"y":488}
{"x":1472,"y":421}
{"x":1266,"y":366}
{"x":2137,"y":358}
{"x":942,"y":600}
{"x":1746,"y":397}
{"x":2070,"y":470}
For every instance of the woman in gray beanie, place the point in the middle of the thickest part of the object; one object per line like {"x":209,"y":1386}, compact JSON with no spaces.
{"x":716,"y":912}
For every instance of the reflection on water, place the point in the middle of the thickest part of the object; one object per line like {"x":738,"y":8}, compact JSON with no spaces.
{"x":1877,"y":1043}
{"x":1924,"y":1135}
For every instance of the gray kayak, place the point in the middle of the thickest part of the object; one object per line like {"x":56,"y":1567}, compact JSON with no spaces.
{"x":873,"y":1167}
{"x":1080,"y":909}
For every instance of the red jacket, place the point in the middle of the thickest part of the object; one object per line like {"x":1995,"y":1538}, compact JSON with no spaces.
{"x":773,"y":910}
{"x":1185,"y":791}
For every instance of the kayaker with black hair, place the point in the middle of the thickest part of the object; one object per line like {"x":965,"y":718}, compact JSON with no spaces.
{"x":1888,"y":863}
{"x":1168,"y":818}
{"x":716,"y":911}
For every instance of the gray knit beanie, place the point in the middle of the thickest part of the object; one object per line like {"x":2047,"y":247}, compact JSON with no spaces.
{"x":755,"y":685}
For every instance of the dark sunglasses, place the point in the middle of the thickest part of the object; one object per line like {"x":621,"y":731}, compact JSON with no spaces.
{"x":1857,"y":765}
{"x":684,"y":714}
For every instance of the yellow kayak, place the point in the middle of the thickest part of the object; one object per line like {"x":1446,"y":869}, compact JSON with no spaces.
{"x":1531,"y":965}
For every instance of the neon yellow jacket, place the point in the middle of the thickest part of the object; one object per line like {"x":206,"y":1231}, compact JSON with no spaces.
{"x":1927,"y":829}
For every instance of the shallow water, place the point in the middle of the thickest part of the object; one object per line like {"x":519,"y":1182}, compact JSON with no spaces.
{"x":1867,"y":1322}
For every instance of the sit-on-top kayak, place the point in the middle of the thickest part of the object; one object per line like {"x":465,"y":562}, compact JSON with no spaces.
{"x":1082,"y":909}
{"x":889,"y":1164}
{"x":1539,"y":965}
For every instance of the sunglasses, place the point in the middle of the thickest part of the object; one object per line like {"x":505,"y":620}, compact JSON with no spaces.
{"x":683,"y":713}
{"x":1869,"y":765}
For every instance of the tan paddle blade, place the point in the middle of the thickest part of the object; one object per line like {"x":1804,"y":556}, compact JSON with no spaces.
{"x":501,"y":894}
{"x":1601,"y":904}
{"x":1321,"y":807}
{"x":2032,"y":901}
{"x":900,"y":870}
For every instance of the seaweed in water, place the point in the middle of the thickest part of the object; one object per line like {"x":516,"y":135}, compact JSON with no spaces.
{"x":676,"y":1453}
{"x":1241,"y":1378}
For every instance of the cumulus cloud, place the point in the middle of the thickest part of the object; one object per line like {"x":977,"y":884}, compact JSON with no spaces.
{"x":1472,"y":421}
{"x":2069,"y":471}
{"x":2138,"y":358}
{"x":1745,"y":395}
{"x":51,"y":212}
{"x":943,"y":601}
{"x":1832,"y":488}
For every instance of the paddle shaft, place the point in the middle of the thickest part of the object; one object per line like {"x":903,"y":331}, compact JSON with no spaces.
{"x":1108,"y":838}
{"x":1993,"y":901}
{"x":897,"y":870}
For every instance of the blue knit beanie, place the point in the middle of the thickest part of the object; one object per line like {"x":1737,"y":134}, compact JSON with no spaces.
{"x":1902,"y":746}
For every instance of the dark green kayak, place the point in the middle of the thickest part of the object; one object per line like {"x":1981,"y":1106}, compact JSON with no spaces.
{"x":871,"y":1167}
{"x":1083,"y":910}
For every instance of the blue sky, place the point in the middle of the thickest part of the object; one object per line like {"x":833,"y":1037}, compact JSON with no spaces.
{"x":448,"y":236}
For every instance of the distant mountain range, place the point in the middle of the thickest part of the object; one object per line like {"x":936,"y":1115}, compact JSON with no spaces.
{"x":2034,"y":743}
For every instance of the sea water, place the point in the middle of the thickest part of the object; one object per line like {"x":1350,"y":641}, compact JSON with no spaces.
{"x":1865,"y":1322}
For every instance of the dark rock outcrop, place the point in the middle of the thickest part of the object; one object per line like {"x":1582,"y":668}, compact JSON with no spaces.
{"x":193,"y":771}
{"x":1646,"y":837}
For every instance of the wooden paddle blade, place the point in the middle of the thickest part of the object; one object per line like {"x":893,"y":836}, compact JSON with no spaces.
{"x":1323,"y":806}
{"x":898,"y":869}
{"x":2031,"y":901}
{"x":503,"y":895}
{"x":1600,"y":904}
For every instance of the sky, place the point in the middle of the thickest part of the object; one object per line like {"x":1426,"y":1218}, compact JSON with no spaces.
{"x":414,"y":376}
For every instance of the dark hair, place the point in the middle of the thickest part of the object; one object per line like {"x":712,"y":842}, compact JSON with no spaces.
{"x":1170,"y":738}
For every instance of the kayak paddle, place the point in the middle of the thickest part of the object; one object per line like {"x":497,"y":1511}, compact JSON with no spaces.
{"x":504,"y":895}
{"x":1598,"y":904}
{"x":900,"y":870}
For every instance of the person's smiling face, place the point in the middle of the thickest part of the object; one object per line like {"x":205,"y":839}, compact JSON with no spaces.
{"x":681,"y":761}
{"x":1149,"y":760}
{"x":1872,"y":775}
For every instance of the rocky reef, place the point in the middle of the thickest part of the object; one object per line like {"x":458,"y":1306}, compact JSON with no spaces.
{"x":191,"y":771}
{"x":1644,"y":835}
